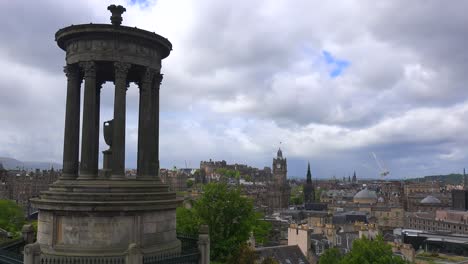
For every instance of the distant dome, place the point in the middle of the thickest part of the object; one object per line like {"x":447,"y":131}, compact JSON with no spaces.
{"x":430,"y":200}
{"x":365,"y":196}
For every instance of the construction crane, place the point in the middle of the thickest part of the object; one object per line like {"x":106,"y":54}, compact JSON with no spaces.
{"x":383,"y":171}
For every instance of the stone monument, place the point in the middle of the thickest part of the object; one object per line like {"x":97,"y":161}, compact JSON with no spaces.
{"x":108,"y":217}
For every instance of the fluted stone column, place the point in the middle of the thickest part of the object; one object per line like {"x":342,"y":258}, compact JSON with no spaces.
{"x":155,"y":125}
{"x":144,"y":125}
{"x":90,"y":135}
{"x":72,"y":123}
{"x":118,"y":137}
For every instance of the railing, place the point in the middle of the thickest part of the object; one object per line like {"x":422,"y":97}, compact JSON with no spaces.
{"x":189,"y":253}
{"x":7,"y":257}
{"x":48,"y":259}
{"x":189,"y":243}
{"x":15,"y":245}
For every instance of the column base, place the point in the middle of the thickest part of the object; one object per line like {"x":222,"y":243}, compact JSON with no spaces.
{"x":87,"y":177}
{"x":68,"y":176}
{"x":118,"y":177}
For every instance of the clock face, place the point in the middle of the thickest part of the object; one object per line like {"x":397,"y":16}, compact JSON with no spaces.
{"x":278,"y":165}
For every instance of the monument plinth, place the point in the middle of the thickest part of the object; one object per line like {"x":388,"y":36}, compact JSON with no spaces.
{"x":83,"y":215}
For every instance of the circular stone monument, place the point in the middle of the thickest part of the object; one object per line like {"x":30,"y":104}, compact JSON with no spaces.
{"x":105,"y":215}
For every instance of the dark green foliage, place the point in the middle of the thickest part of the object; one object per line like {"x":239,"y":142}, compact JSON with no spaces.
{"x":244,"y":254}
{"x":187,"y":221}
{"x":230,"y":217}
{"x":332,"y":255}
{"x":11,"y":216}
{"x":228,"y":174}
{"x":189,"y":183}
{"x":364,"y":251}
{"x":261,"y":229}
{"x":269,"y":260}
{"x":297,"y":195}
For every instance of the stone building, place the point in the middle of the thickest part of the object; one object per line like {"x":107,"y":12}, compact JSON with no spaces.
{"x":439,"y":221}
{"x":20,"y":185}
{"x":208,"y":171}
{"x":414,"y":195}
{"x":3,"y":185}
{"x":176,"y":179}
{"x":337,"y":196}
{"x":386,"y":216}
{"x":365,"y":196}
{"x":441,"y":218}
{"x":279,"y":190}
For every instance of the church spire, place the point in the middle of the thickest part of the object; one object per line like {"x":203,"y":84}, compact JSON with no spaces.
{"x":309,"y":175}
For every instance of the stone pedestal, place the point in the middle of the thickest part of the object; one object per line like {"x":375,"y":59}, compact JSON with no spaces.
{"x":102,"y":218}
{"x":106,"y":168}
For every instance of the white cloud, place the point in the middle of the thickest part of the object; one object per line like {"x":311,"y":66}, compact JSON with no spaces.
{"x":245,"y":75}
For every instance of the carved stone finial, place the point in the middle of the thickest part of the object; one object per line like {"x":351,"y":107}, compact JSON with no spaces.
{"x":117,"y":11}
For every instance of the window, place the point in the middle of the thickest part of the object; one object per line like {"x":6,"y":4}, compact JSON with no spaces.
{"x":338,"y":240}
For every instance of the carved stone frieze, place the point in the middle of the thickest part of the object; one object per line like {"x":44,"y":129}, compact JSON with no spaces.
{"x":112,"y":50}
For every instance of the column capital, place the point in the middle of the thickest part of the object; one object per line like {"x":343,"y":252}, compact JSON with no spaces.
{"x":147,"y":75}
{"x":72,"y":71}
{"x":158,"y":77}
{"x":89,"y":68}
{"x":121,"y":69}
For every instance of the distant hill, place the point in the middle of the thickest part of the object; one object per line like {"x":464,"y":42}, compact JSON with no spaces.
{"x":452,"y":178}
{"x":11,"y":164}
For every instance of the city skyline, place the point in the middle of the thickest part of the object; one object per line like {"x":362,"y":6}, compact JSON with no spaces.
{"x":273,"y":72}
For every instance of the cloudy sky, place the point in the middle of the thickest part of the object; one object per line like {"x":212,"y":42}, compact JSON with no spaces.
{"x":333,"y":81}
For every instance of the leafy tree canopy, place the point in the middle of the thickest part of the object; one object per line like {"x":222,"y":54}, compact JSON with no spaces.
{"x":332,"y":255}
{"x":229,"y":215}
{"x":11,"y":216}
{"x":364,"y":251}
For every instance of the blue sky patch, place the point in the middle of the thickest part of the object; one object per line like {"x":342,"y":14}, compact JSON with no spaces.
{"x":138,"y":2}
{"x":337,"y":65}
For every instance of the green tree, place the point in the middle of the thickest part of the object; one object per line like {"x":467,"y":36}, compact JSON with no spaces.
{"x":187,"y":221}
{"x":331,"y":256}
{"x":247,"y":178}
{"x":269,"y":260}
{"x":261,"y":229}
{"x":11,"y":216}
{"x":364,"y":251}
{"x":229,"y":215}
{"x":244,"y":254}
{"x":297,"y":195}
{"x":189,"y":183}
{"x":318,"y":193}
{"x":367,"y":251}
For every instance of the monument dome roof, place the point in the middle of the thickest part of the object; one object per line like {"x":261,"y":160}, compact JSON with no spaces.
{"x":365,"y":194}
{"x":430,"y":200}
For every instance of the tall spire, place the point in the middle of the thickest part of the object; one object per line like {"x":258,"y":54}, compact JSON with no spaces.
{"x":309,"y":175}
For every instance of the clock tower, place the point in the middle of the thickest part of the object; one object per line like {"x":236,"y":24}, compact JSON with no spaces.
{"x":278,"y":189}
{"x":279,"y":168}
